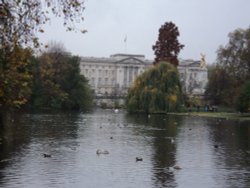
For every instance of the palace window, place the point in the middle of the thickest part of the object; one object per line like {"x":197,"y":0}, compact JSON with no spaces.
{"x":113,"y":81}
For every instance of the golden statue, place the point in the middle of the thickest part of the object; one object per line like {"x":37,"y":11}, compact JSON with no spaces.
{"x":203,"y":61}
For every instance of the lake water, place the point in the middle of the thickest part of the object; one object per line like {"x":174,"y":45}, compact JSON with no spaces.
{"x":210,"y":152}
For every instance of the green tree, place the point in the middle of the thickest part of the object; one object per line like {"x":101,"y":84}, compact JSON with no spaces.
{"x":58,"y":83}
{"x":156,"y":90}
{"x":167,"y":47}
{"x":232,"y":68}
{"x":243,"y":100}
{"x":219,"y":88}
{"x":49,"y":71}
{"x":76,"y":86}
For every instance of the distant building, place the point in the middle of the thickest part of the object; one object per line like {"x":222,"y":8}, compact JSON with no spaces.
{"x":193,"y":77}
{"x":114,"y":75}
{"x":111,"y":77}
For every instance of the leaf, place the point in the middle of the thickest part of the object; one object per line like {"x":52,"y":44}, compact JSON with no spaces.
{"x":84,"y":31}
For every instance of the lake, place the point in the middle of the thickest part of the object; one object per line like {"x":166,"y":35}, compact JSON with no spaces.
{"x":209,"y":152}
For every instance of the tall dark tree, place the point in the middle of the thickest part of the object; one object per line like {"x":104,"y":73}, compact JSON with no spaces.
{"x":167,"y":47}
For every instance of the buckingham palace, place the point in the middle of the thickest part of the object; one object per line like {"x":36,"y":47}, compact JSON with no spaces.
{"x":111,"y":77}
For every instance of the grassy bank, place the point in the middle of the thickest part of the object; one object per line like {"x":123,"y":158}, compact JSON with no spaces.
{"x":225,"y":115}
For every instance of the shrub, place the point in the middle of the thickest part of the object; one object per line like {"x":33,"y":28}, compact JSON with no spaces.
{"x":243,"y":100}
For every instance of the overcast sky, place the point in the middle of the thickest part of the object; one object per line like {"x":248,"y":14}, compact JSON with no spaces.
{"x":203,"y":25}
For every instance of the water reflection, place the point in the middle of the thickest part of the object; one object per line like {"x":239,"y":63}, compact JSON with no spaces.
{"x":211,"y":152}
{"x":162,"y":131}
{"x":24,"y":139}
{"x":232,"y":158}
{"x":194,"y":153}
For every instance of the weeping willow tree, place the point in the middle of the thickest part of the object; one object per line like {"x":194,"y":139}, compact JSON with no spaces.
{"x":156,"y":90}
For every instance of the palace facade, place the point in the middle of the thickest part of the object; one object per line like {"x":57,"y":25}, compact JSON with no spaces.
{"x":111,"y":77}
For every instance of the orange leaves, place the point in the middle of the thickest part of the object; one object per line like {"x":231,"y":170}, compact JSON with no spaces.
{"x":15,"y":77}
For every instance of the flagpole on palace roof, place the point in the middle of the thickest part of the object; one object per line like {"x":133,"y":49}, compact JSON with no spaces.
{"x":125,"y":43}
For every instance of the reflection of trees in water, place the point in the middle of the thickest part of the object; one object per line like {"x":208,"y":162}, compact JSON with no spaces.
{"x":20,"y":131}
{"x":56,"y":126}
{"x":13,"y":135}
{"x":13,"y":138}
{"x":233,"y":152}
{"x":164,"y":155}
{"x":197,"y":139}
{"x":163,"y":130}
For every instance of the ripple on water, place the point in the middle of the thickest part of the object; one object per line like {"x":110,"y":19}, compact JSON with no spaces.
{"x":72,"y":140}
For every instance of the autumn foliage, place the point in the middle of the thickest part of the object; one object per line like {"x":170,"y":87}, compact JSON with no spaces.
{"x":15,"y":77}
{"x":21,"y":20}
{"x":20,"y":23}
{"x":167,"y":47}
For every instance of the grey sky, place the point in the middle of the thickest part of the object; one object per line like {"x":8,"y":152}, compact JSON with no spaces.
{"x":203,"y":26}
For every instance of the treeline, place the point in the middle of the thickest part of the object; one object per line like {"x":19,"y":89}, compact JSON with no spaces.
{"x":229,"y":77}
{"x":51,"y":80}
